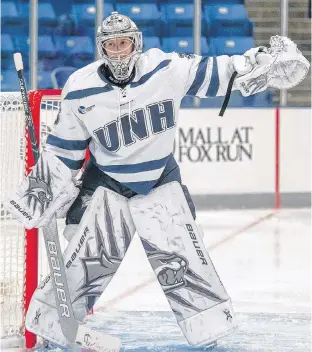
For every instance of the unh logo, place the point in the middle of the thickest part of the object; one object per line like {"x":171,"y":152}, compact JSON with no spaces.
{"x":127,"y":129}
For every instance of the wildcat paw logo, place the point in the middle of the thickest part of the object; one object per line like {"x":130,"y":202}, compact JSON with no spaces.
{"x":102,"y":265}
{"x":39,"y":188}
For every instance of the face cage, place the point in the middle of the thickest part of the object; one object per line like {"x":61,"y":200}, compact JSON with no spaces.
{"x":121,"y":68}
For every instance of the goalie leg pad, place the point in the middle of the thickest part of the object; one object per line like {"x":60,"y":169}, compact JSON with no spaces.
{"x":182,"y":265}
{"x":91,"y":259}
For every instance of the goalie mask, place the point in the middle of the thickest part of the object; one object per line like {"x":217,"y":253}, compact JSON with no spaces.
{"x":119,"y":43}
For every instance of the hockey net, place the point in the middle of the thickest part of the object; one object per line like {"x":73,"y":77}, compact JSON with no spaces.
{"x":23,"y":261}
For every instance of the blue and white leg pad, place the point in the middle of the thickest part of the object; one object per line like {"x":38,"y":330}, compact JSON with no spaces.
{"x":176,"y":252}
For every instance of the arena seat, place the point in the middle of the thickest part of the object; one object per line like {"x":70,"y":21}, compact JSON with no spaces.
{"x":217,"y":2}
{"x":44,"y":80}
{"x":60,"y":75}
{"x":9,"y":12}
{"x":151,"y":42}
{"x":9,"y":80}
{"x":7,"y":46}
{"x":184,"y":45}
{"x":231,"y":45}
{"x":227,"y":19}
{"x":46,"y":47}
{"x":10,"y":19}
{"x":177,"y":19}
{"x":46,"y":17}
{"x":146,"y":16}
{"x":76,"y":51}
{"x":84,"y":16}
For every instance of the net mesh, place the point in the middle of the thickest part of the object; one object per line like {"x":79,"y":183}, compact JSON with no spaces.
{"x":12,"y":235}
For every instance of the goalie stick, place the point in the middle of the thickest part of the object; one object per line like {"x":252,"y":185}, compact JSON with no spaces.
{"x":77,"y":333}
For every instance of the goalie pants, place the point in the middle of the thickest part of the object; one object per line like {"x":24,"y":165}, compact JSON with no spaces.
{"x":93,"y":178}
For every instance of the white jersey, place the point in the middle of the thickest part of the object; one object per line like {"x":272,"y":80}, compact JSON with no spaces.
{"x":130,"y":132}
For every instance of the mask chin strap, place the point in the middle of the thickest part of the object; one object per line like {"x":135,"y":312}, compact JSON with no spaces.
{"x":108,"y":74}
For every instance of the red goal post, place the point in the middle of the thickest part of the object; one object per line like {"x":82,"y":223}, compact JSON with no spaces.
{"x":22,"y":257}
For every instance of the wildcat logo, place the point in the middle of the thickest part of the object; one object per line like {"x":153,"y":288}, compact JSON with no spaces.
{"x":170,"y":269}
{"x":104,"y":264}
{"x":173,"y":273}
{"x":39,"y":190}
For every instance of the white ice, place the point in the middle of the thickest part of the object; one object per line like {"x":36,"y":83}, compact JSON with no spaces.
{"x":263,"y":258}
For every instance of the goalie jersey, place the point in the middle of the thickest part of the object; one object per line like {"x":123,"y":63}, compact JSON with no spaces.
{"x":130,"y":131}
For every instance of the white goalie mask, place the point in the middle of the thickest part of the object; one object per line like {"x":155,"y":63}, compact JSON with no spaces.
{"x":119,"y":43}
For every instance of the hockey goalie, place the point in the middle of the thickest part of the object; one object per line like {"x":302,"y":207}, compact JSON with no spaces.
{"x":124,"y":108}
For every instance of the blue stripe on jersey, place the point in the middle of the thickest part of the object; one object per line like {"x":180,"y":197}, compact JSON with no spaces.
{"x":79,"y":94}
{"x":133,"y":168}
{"x":147,"y":76}
{"x":200,"y":76}
{"x":72,"y":164}
{"x":67,"y":144}
{"x":142,"y":187}
{"x":214,"y":81}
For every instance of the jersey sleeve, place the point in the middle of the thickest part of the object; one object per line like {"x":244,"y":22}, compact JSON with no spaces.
{"x":203,"y":76}
{"x":69,"y":138}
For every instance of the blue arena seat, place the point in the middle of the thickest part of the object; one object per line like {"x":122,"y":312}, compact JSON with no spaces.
{"x":213,"y":2}
{"x":7,"y":51}
{"x":60,"y":75}
{"x":49,"y":64}
{"x":7,"y":46}
{"x":74,"y":45}
{"x":177,"y":19}
{"x":46,"y":46}
{"x":10,"y":19}
{"x":9,"y":80}
{"x":9,"y":12}
{"x":146,"y":16}
{"x":151,"y":42}
{"x":184,"y":45}
{"x":231,"y":45}
{"x":227,"y":19}
{"x":77,"y":51}
{"x":85,"y":15}
{"x":44,"y":80}
{"x":93,"y":2}
{"x":46,"y":17}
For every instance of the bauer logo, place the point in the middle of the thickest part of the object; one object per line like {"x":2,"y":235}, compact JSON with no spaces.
{"x":214,"y":145}
{"x":23,"y":212}
{"x":58,"y":279}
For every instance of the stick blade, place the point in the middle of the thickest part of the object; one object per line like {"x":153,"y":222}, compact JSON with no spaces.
{"x":18,"y":61}
{"x":96,"y":340}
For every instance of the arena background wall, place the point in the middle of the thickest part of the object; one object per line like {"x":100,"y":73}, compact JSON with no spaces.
{"x":249,"y":158}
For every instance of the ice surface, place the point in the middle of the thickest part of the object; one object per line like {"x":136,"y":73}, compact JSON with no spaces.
{"x":265,"y":266}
